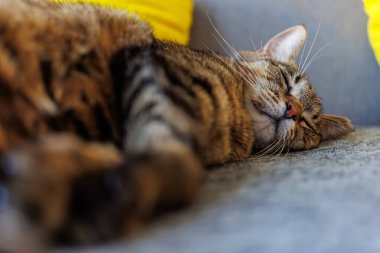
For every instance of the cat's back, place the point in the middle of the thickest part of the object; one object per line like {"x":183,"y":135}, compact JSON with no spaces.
{"x":54,"y":59}
{"x":212,"y":82}
{"x":44,"y":27}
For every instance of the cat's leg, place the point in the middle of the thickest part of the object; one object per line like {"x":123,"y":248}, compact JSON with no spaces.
{"x":82,"y":192}
{"x":164,"y":176}
{"x":87,"y":192}
{"x":160,"y":136}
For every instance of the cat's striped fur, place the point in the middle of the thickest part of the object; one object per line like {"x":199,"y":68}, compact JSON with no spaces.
{"x":101,"y":124}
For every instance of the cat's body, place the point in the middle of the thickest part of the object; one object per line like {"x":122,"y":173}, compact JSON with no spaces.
{"x":100,"y":124}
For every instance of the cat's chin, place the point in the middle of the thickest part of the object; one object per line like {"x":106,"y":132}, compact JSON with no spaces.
{"x":284,"y":129}
{"x":269,"y":132}
{"x":264,"y":135}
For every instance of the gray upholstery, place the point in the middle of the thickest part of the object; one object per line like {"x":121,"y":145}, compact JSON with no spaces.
{"x":324,"y":200}
{"x":346,"y":76}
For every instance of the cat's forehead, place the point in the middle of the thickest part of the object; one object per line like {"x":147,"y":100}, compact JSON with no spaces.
{"x":271,"y":67}
{"x":290,"y":68}
{"x":301,"y":87}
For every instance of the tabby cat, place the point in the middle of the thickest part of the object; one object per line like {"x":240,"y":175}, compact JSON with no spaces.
{"x":102,"y":125}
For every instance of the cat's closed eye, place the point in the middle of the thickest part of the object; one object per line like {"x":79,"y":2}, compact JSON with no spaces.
{"x":285,"y":81}
{"x":297,"y":79}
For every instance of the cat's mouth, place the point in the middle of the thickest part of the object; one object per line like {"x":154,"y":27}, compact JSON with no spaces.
{"x":276,"y":119}
{"x":282,"y":126}
{"x":271,"y":128}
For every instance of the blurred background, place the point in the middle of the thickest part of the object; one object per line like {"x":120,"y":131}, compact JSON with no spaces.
{"x":346,"y":76}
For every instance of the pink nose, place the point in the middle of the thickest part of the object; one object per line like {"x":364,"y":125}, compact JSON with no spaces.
{"x":291,"y":110}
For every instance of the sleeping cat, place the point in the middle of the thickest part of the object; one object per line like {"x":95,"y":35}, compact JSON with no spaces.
{"x":101,"y":124}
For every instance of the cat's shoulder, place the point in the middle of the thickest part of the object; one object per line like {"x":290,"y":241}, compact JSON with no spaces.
{"x":85,"y":23}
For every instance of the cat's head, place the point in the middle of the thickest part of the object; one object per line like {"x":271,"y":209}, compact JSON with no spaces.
{"x":285,"y":110}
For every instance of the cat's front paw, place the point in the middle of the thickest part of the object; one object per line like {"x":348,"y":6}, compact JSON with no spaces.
{"x":43,"y":180}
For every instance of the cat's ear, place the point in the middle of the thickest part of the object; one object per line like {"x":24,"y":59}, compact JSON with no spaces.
{"x":286,"y":46}
{"x":333,"y":126}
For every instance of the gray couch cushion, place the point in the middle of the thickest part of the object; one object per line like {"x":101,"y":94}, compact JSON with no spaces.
{"x":321,"y":200}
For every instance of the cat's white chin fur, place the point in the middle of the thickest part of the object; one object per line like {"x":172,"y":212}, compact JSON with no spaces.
{"x":268,"y":133}
{"x":267,"y":130}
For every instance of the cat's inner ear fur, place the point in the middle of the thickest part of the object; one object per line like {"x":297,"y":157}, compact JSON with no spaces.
{"x":286,"y":46}
{"x":333,"y":126}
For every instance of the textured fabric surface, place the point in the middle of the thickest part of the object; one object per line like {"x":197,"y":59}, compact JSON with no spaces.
{"x":322,"y":200}
{"x":346,"y":75}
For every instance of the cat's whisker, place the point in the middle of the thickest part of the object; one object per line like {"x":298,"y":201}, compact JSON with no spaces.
{"x":267,"y":154}
{"x":218,"y":32}
{"x":263,"y":151}
{"x":275,"y":152}
{"x":251,"y":81}
{"x":277,"y":149}
{"x":267,"y":151}
{"x":242,"y":67}
{"x":312,"y":45}
{"x":250,"y":71}
{"x":240,"y":58}
{"x":286,"y":142}
{"x":254,"y":46}
{"x":237,"y":72}
{"x":303,"y":51}
{"x":245,"y":67}
{"x":317,"y":55}
{"x":308,"y":65}
{"x":236,"y":54}
{"x":280,"y":149}
{"x":223,"y":47}
{"x":287,"y":150}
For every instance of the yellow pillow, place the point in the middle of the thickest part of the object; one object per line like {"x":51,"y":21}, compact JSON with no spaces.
{"x":372,"y":8}
{"x":170,"y":19}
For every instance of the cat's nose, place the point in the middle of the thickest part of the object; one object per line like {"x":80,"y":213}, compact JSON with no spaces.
{"x":291,"y":110}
